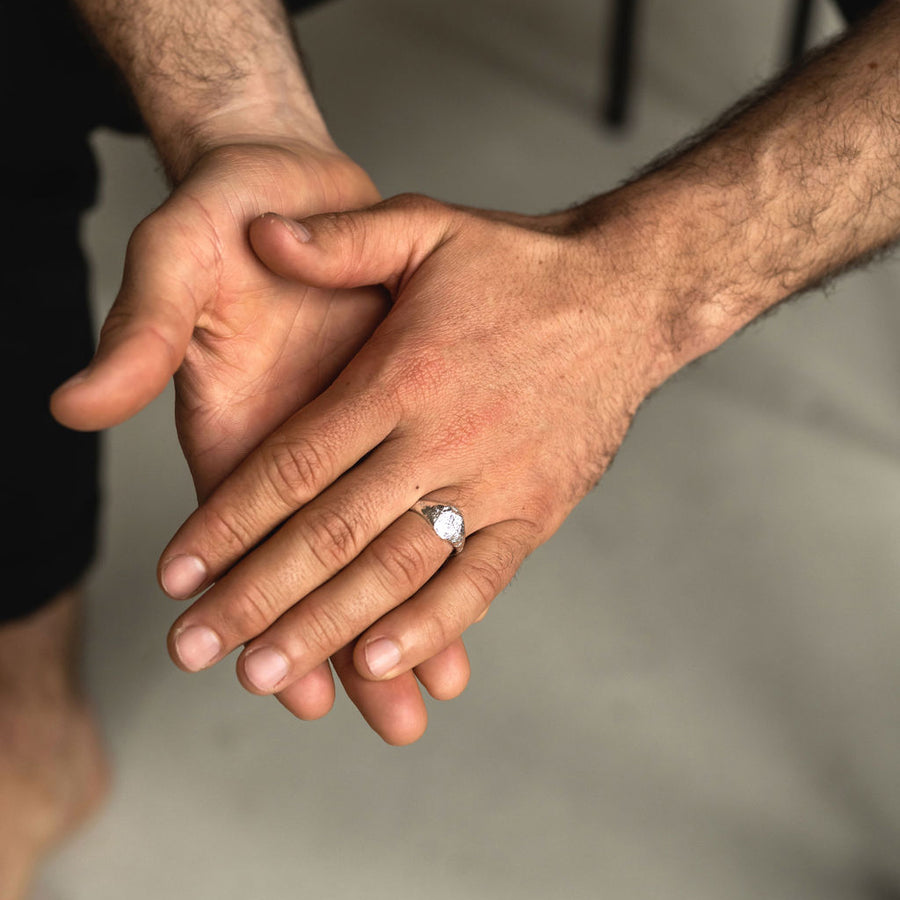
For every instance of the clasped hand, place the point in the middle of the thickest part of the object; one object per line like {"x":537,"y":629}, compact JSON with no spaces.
{"x":502,"y":381}
{"x":247,"y":348}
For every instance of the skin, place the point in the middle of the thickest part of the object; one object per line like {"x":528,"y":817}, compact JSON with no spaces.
{"x":624,"y":290}
{"x":53,"y":771}
{"x":223,"y":95}
{"x":515,"y":354}
{"x":249,"y":347}
{"x":346,"y":544}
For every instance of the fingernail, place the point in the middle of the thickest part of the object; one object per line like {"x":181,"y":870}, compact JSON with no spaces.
{"x":264,"y":668}
{"x":300,"y":232}
{"x":182,"y":576}
{"x":381,"y":656}
{"x":197,"y":646}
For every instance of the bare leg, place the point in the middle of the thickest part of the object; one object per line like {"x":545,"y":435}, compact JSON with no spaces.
{"x":53,"y":772}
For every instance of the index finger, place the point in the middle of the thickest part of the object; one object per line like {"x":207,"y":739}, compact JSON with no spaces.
{"x":288,"y":469}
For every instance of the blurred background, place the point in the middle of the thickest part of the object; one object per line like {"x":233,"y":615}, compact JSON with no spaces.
{"x":690,"y":692}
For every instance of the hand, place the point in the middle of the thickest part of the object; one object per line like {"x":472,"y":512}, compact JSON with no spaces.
{"x":249,"y":348}
{"x":502,"y":381}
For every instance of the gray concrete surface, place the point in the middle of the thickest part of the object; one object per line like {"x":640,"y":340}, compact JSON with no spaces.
{"x":691,"y":692}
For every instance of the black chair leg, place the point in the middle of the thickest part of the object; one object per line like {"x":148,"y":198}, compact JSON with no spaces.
{"x":620,"y":55}
{"x":799,"y":38}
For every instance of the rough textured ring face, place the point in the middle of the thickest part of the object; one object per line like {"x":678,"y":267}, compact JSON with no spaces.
{"x":447,"y":522}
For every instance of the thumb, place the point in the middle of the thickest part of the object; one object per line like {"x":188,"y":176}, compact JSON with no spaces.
{"x":143,"y":339}
{"x":379,"y":245}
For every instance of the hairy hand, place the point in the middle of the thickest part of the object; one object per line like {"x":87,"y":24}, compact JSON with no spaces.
{"x":502,"y":381}
{"x":250,"y":348}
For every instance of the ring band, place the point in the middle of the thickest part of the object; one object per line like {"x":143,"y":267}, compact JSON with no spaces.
{"x":446,"y":521}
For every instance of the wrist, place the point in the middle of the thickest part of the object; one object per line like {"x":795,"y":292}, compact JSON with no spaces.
{"x":783,"y":192}
{"x":641,"y":271}
{"x":205,"y":73}
{"x":271,"y":120}
{"x":684,"y":256}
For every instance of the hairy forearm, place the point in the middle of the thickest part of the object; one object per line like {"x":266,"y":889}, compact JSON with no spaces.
{"x":205,"y":72}
{"x":796,"y":184}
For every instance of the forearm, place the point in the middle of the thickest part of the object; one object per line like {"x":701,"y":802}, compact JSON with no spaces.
{"x":206,"y":72}
{"x":791,"y":188}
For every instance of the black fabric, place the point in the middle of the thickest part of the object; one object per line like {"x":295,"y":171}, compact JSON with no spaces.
{"x":56,"y":91}
{"x":56,"y":88}
{"x":853,"y":10}
{"x":49,"y":475}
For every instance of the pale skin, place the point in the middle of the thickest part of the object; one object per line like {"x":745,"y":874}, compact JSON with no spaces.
{"x":506,"y":374}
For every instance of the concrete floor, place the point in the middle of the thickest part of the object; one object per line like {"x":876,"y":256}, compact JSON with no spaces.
{"x":691,"y":692}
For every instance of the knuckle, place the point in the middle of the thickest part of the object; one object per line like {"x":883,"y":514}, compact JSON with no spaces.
{"x":441,"y":630}
{"x":257,"y":609}
{"x":487,"y":576}
{"x":333,"y":538}
{"x":352,"y":228}
{"x":508,"y":556}
{"x":432,"y":217}
{"x":227,"y":531}
{"x":402,"y":566}
{"x":409,"y":200}
{"x":419,"y":380}
{"x":541,"y":517}
{"x":295,"y":469}
{"x":483,"y":580}
{"x":446,"y":626}
{"x":323,"y":630}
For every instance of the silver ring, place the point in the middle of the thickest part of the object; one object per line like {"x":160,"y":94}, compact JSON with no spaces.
{"x":447,"y":522}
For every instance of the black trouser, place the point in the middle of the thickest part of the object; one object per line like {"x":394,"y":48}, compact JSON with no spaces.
{"x":55,"y":91}
{"x":50,"y":473}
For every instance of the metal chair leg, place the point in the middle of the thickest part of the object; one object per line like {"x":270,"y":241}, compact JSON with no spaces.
{"x":800,"y":28}
{"x":620,"y":42}
{"x":620,"y":54}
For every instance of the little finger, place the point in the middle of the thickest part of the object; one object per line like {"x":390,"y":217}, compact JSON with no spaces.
{"x":446,"y":674}
{"x":445,"y":607}
{"x":290,"y":468}
{"x":311,"y":697}
{"x":394,"y":709}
